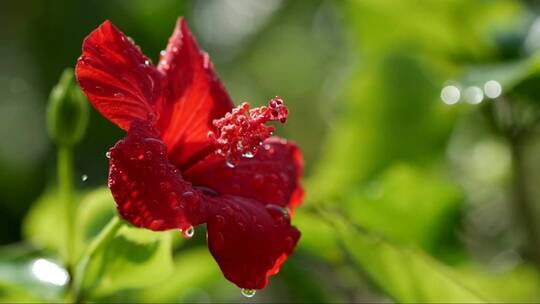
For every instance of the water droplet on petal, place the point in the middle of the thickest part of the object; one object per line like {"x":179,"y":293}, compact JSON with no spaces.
{"x":220,"y":220}
{"x":278,"y":213}
{"x":258,"y":179}
{"x":235,"y":188}
{"x":229,"y":163}
{"x":248,"y":293}
{"x":156,"y":224}
{"x":219,"y":241}
{"x":108,"y":154}
{"x":84,"y":177}
{"x":188,"y":233}
{"x":248,"y":154}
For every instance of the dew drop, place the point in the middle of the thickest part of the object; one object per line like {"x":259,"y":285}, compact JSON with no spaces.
{"x":220,"y":220}
{"x":108,"y":154}
{"x":235,"y":188}
{"x":118,"y":95}
{"x":147,"y":62}
{"x":219,"y":241}
{"x":156,"y":224}
{"x":190,"y":198}
{"x":278,"y":213}
{"x":248,"y":293}
{"x":258,"y":179}
{"x":84,"y":177}
{"x":188,"y":233}
{"x":248,"y":154}
{"x":229,"y":163}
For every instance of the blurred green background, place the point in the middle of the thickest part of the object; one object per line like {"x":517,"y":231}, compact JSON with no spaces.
{"x":421,"y":177}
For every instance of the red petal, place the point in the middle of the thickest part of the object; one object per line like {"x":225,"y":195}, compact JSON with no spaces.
{"x":249,"y":241}
{"x":272,"y":176}
{"x":118,"y":79}
{"x":149,"y":191}
{"x":195,"y":98}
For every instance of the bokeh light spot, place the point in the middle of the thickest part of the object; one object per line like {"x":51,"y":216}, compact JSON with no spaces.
{"x":450,"y":94}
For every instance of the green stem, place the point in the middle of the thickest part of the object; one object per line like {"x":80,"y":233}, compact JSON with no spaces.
{"x":65,"y":185}
{"x":105,"y":236}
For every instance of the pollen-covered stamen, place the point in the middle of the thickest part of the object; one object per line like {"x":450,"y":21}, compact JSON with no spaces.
{"x":241,"y":132}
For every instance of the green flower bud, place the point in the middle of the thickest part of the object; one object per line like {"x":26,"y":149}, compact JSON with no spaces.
{"x":67,"y":111}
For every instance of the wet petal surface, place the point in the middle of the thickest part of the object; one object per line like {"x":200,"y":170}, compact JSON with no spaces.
{"x":271,"y":176}
{"x":149,"y":191}
{"x":249,"y":242}
{"x":117,"y":78}
{"x":194,"y":98}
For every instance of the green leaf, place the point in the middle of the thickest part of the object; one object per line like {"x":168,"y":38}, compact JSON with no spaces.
{"x":404,"y":273}
{"x":317,"y":238}
{"x":508,"y":74}
{"x":133,"y":258}
{"x":27,"y":277}
{"x":380,"y":124}
{"x":44,"y":225}
{"x":93,"y":212}
{"x":407,"y":204}
{"x":520,"y":284}
{"x":193,"y":270}
{"x":130,"y":258}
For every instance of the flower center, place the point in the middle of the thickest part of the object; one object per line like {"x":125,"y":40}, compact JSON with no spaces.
{"x":240,"y":132}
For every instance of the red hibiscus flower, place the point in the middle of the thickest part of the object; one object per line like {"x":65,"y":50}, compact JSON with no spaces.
{"x":189,"y":157}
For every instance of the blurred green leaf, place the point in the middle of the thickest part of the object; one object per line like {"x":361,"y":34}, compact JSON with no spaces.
{"x":193,"y":270}
{"x":317,"y":238}
{"x":44,"y":225}
{"x":521,"y":284}
{"x":93,"y":212}
{"x":27,"y":277}
{"x":407,"y":204}
{"x":381,"y":124}
{"x":508,"y":74}
{"x":134,"y":258}
{"x":128,"y":260}
{"x":404,"y":273}
{"x":437,"y":27}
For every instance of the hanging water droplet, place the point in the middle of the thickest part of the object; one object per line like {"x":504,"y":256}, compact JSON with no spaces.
{"x":248,"y":293}
{"x":188,"y":233}
{"x":84,"y":177}
{"x":108,"y":154}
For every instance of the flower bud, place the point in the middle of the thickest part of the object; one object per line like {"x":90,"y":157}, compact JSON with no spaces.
{"x":67,"y":111}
